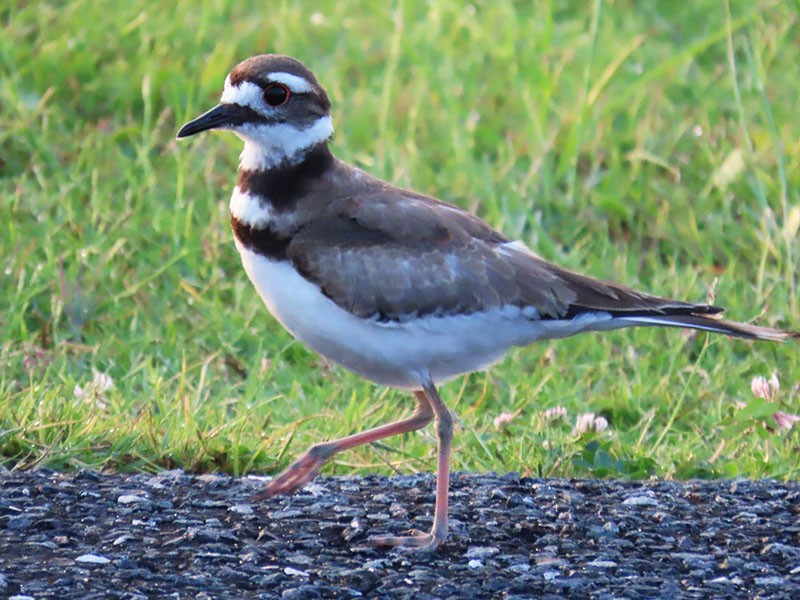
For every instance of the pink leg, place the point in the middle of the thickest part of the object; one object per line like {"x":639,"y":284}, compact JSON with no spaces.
{"x":444,"y":432}
{"x":307,"y":467}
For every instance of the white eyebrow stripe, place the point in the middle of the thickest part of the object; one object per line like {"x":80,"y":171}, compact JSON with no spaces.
{"x":295,"y":83}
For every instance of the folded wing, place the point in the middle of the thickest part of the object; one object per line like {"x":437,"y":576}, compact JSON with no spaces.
{"x":395,"y":256}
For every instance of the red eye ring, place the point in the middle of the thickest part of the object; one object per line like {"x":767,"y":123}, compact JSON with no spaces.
{"x":276,"y":94}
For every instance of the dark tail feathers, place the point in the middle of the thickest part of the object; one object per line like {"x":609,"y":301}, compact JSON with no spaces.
{"x":715,"y":324}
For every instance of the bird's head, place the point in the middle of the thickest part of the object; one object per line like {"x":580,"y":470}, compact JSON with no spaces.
{"x":275,"y":104}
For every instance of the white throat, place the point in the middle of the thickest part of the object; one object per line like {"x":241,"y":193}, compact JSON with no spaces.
{"x":267,"y":146}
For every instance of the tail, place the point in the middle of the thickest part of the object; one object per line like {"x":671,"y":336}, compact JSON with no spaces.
{"x":710,"y":322}
{"x":628,"y":307}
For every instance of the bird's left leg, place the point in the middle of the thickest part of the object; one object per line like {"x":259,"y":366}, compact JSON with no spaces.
{"x":307,"y":467}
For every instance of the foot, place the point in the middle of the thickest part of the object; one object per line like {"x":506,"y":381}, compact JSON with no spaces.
{"x":301,"y":472}
{"x":417,"y":541}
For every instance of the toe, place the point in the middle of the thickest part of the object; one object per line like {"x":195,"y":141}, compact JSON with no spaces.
{"x":418,"y":542}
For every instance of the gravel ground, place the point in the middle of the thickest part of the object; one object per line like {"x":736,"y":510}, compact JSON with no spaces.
{"x":91,"y":535}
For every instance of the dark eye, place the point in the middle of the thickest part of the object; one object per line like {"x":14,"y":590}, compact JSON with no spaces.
{"x":276,"y":94}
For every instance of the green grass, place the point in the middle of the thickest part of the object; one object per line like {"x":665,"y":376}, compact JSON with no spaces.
{"x":652,"y":143}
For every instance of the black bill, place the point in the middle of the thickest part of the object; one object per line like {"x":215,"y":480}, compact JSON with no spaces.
{"x":221,"y":116}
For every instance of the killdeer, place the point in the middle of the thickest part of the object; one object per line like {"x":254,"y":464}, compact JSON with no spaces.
{"x":400,"y":288}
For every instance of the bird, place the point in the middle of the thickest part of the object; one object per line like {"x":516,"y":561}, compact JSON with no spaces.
{"x":401,"y":288}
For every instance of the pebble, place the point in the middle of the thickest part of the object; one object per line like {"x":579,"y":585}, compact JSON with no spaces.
{"x":93,"y":559}
{"x":723,"y":579}
{"x":773,"y":581}
{"x":285,"y":514}
{"x":602,"y":564}
{"x":641,"y":501}
{"x":19,"y":523}
{"x":199,"y":535}
{"x":482,"y":551}
{"x":242,"y":509}
{"x":131,"y":499}
{"x":782,"y":550}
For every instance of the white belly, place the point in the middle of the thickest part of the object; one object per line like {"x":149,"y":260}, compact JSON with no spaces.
{"x":396,"y":354}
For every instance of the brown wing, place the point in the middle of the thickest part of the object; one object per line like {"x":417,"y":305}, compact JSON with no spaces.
{"x":394,"y":255}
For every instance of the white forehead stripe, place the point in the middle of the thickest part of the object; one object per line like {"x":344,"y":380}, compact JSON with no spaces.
{"x":246,"y":93}
{"x":295,"y":83}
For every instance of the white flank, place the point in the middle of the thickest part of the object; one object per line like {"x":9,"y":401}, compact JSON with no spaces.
{"x":399,"y":354}
{"x":266,"y":146}
{"x":295,"y":83}
{"x":250,"y":210}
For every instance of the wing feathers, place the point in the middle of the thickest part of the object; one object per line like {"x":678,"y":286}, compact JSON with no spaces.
{"x":393,"y":256}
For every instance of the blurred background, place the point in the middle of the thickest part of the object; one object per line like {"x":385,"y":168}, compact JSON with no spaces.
{"x":652,"y":143}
